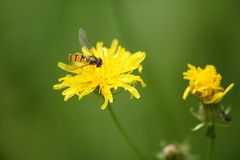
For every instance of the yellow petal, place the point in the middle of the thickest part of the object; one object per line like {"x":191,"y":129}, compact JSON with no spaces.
{"x":86,"y":91}
{"x":65,"y":66}
{"x":58,"y":86}
{"x":219,"y":95}
{"x":186,"y":92}
{"x":140,"y":67}
{"x":105,"y":104}
{"x":75,"y":68}
{"x":229,"y":88}
{"x":107,"y":95}
{"x":133,"y":91}
{"x":68,"y":93}
{"x":113,"y":48}
{"x":133,"y":61}
{"x":129,"y":78}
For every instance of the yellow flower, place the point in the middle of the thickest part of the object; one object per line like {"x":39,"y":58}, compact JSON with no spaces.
{"x":205,"y":83}
{"x":115,"y":71}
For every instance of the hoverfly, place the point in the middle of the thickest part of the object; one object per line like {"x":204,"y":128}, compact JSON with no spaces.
{"x":80,"y":57}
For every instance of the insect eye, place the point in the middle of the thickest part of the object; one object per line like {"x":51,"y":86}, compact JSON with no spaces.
{"x":99,"y":62}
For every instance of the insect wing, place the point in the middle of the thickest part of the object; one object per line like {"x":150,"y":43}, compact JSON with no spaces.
{"x":83,"y":39}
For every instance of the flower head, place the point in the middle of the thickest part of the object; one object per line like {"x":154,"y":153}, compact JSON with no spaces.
{"x":175,"y":151}
{"x":115,"y":71}
{"x":205,"y":83}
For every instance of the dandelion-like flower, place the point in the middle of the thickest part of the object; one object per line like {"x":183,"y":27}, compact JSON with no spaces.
{"x":175,"y":151}
{"x":116,"y":71}
{"x":205,"y":83}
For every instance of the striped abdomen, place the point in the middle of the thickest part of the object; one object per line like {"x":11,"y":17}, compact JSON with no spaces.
{"x":77,"y":57}
{"x":91,"y":60}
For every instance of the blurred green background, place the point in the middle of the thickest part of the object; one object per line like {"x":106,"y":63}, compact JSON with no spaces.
{"x":35,"y":122}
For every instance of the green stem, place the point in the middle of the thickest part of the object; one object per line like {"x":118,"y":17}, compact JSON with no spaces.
{"x":124,"y":134}
{"x":211,"y":136}
{"x":210,"y":149}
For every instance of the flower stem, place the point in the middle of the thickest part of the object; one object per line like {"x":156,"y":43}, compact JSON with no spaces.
{"x":211,"y":136}
{"x":124,"y":134}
